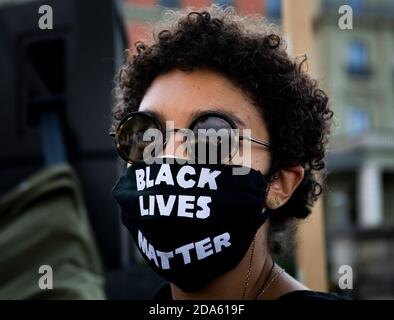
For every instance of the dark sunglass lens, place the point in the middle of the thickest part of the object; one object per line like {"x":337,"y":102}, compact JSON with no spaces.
{"x":133,"y":136}
{"x":213,"y":140}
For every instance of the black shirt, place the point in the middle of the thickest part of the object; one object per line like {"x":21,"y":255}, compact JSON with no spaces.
{"x":164,"y":294}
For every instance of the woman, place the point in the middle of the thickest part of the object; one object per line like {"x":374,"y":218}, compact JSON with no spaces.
{"x":214,"y":236}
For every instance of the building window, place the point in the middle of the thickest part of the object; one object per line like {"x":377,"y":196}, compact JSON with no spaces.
{"x":357,"y":121}
{"x":339,"y":209}
{"x":169,"y":3}
{"x":273,"y":9}
{"x":224,"y":3}
{"x":357,"y":58}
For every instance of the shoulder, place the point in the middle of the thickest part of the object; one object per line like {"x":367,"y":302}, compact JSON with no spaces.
{"x":309,"y":295}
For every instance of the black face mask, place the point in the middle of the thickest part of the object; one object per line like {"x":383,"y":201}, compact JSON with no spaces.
{"x":191,"y":222}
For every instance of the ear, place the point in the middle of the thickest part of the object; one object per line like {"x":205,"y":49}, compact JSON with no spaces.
{"x":282,"y":186}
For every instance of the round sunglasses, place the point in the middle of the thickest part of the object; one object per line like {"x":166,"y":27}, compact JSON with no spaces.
{"x":212,"y":131}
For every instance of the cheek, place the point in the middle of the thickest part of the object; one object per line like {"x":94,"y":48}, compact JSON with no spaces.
{"x":256,"y":159}
{"x":261,"y":161}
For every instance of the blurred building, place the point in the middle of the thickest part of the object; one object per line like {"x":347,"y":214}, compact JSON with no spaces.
{"x":357,"y":68}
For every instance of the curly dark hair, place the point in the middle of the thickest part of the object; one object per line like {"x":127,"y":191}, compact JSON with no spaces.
{"x":252,"y":54}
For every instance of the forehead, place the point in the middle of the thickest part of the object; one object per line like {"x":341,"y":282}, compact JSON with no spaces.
{"x":178,"y":96}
